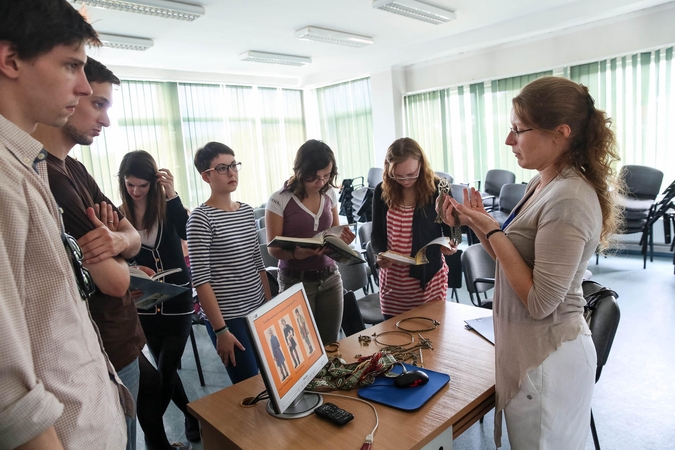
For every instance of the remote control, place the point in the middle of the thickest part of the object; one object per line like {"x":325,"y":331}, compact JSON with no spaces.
{"x":333,"y":413}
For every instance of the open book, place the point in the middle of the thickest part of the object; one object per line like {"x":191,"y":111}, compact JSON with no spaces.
{"x":154,"y":290}
{"x":330,"y":238}
{"x":421,"y":256}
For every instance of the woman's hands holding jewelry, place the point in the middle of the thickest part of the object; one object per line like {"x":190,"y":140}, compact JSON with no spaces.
{"x":472,"y":212}
{"x":165,"y":178}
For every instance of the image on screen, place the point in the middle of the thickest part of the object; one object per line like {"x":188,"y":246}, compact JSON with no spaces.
{"x":289,"y":351}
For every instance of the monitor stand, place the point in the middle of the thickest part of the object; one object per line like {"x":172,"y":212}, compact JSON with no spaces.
{"x":302,"y":406}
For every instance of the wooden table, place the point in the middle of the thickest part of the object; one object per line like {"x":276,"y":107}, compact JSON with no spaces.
{"x":464,"y":355}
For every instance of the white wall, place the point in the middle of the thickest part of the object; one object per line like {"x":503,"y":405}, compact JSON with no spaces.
{"x":386,"y":97}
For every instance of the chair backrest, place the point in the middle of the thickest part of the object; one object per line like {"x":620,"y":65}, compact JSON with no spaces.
{"x":445,"y":175}
{"x":643,"y":182}
{"x":352,"y":321}
{"x":260,"y":223}
{"x":273,"y":282}
{"x":262,"y":236}
{"x":258,"y":213}
{"x":268,"y":260}
{"x":603,"y":320}
{"x":375,"y":176}
{"x":478,"y":265}
{"x":371,"y":258}
{"x":364,"y":233}
{"x":457,"y":191}
{"x":354,"y":276}
{"x":496,"y":178}
{"x":454,"y":263}
{"x":510,"y":195}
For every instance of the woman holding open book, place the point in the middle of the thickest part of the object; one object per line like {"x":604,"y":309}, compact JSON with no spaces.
{"x":305,"y":206}
{"x":403,"y":222}
{"x":153,"y":207}
{"x":545,"y":357}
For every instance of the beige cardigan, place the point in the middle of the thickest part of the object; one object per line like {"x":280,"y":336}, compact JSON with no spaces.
{"x":555,"y":234}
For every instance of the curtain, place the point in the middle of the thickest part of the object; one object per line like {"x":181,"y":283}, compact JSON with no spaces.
{"x":346,"y":125}
{"x":264,"y":127}
{"x":462,"y":129}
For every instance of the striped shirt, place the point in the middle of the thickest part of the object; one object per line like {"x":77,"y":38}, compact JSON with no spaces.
{"x":224,"y":252}
{"x":398,"y":291}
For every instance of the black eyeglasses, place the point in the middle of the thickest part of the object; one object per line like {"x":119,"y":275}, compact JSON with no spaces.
{"x":223,"y":169}
{"x":518,"y":132}
{"x":85,"y":284}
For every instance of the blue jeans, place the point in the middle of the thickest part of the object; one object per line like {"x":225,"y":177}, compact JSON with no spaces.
{"x":247,"y":366}
{"x":130,"y":377}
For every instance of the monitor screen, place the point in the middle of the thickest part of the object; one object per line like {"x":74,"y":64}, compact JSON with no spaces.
{"x":289,"y":350}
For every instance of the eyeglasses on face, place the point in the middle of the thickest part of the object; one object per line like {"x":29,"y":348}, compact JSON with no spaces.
{"x":313,"y":178}
{"x":85,"y":283}
{"x":404,"y":179}
{"x":223,"y":169}
{"x":517,"y":132}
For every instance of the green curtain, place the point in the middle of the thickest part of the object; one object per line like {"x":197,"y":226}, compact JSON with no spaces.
{"x":346,"y":122}
{"x":264,"y":127}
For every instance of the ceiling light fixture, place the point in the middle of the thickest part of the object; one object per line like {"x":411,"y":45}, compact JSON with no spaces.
{"x":161,"y":8}
{"x":275,"y":58}
{"x":416,"y":10}
{"x":125,"y":42}
{"x":333,"y":37}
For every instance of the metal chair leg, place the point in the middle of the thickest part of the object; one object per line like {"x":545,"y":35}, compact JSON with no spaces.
{"x":197,"y":361}
{"x":596,"y":442}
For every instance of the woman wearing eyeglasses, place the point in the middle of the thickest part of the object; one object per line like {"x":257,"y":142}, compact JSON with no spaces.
{"x":545,"y":357}
{"x":403,"y":222}
{"x":153,"y":207}
{"x":305,"y":206}
{"x":227,"y":266}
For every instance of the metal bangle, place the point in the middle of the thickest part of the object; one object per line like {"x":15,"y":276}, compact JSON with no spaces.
{"x":334,"y":347}
{"x":435,"y":323}
{"x":412,"y":339}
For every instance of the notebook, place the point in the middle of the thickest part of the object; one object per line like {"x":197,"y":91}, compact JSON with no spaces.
{"x":483,"y":326}
{"x":407,"y":399}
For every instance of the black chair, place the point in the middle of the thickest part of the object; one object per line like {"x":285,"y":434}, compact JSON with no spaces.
{"x":509,"y":196}
{"x":643,"y":185}
{"x":454,"y":263}
{"x":603,"y":315}
{"x":362,"y":198}
{"x":352,"y":322}
{"x":494,"y":180}
{"x":355,"y":277}
{"x":371,"y":259}
{"x":479,"y":273}
{"x":363,"y":233}
{"x":445,"y":175}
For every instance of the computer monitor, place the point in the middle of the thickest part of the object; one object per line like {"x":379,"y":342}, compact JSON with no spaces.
{"x":289,"y":351}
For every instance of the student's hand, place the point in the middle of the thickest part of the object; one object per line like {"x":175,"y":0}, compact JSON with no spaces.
{"x":101,"y":242}
{"x":165,"y":178}
{"x":384,"y":263}
{"x":347,"y":235}
{"x":305,"y":252}
{"x":225,"y":343}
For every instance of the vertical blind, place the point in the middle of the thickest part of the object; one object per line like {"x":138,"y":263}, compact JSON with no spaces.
{"x":463,"y":128}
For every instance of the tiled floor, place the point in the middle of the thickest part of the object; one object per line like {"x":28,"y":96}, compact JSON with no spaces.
{"x":634,"y":401}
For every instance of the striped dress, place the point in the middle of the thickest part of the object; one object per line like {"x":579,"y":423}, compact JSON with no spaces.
{"x":224,"y":251}
{"x":398,"y":291}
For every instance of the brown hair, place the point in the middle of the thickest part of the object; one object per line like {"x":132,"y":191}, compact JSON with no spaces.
{"x":425,"y":187}
{"x":549,"y":102}
{"x":141,"y":164}
{"x":311,"y":157}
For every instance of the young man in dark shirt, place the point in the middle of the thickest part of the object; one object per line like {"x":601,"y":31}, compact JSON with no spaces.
{"x":105,"y":236}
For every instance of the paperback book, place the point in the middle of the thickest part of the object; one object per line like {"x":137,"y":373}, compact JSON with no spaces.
{"x":154,"y":290}
{"x":421,"y":255}
{"x":330,"y":238}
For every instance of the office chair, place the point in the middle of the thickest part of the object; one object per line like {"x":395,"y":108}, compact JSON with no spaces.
{"x":494,"y":180}
{"x":352,"y":322}
{"x":371,"y":259}
{"x":354,"y":277}
{"x":258,"y":213}
{"x":509,"y":196}
{"x":479,"y":272}
{"x":262,"y":236}
{"x":260,"y":223}
{"x":603,"y":315}
{"x":454,"y":263}
{"x":364,"y":237}
{"x":457,"y":191}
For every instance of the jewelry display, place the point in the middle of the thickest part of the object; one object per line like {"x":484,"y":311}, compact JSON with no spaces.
{"x":364,"y":340}
{"x":444,"y":189}
{"x":434,"y":323}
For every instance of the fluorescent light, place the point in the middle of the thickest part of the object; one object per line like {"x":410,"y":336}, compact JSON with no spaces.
{"x":161,"y":8}
{"x":275,"y":58}
{"x":125,"y":42}
{"x":333,"y":37}
{"x":416,"y":10}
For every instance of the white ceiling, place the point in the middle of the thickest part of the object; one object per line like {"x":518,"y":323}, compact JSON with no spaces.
{"x":213,"y":42}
